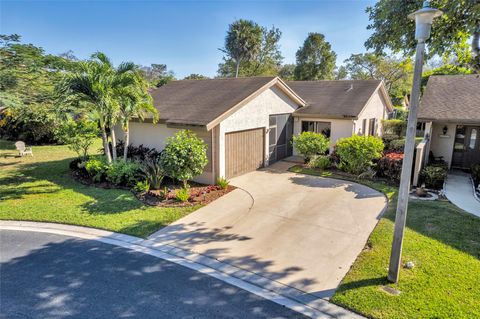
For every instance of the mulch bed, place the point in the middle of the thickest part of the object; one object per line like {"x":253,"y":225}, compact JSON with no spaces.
{"x":199,"y":195}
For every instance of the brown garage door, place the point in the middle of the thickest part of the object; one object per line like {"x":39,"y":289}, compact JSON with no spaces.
{"x":244,"y":151}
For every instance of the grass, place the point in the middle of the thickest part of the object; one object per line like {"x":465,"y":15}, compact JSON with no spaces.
{"x":40,"y":188}
{"x":443,"y":242}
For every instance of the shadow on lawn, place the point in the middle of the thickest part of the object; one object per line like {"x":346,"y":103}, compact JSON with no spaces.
{"x":51,"y":177}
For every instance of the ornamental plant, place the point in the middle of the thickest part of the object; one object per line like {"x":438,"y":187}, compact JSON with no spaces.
{"x":319,"y":161}
{"x":357,"y":153}
{"x":309,"y":144}
{"x":184,"y":156}
{"x":79,"y":135}
{"x":390,"y":166}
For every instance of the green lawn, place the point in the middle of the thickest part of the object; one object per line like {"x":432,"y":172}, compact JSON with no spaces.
{"x":40,"y":188}
{"x":442,"y":241}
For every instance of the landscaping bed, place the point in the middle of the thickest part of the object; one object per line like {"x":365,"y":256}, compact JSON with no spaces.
{"x":41,"y":188}
{"x":200,"y":194}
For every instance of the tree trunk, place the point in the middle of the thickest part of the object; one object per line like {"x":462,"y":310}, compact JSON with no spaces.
{"x":126,"y":141}
{"x":106,"y":148}
{"x":114,"y":143}
{"x":476,"y":48}
{"x":237,"y":68}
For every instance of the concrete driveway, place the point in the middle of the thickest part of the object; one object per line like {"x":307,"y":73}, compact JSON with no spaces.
{"x":302,"y":231}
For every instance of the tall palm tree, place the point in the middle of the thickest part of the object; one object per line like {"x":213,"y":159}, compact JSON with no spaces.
{"x":243,"y":42}
{"x":135,"y":102}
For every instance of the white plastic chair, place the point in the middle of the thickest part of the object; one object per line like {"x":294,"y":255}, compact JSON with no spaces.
{"x":22,"y":149}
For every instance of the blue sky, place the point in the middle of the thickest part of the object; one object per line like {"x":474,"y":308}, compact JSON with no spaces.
{"x":185,"y":35}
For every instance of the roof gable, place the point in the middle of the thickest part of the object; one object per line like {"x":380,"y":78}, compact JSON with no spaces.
{"x":206,"y":102}
{"x":451,"y":98}
{"x":337,"y":99}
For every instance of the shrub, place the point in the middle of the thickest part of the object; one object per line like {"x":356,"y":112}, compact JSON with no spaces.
{"x":434,"y":176}
{"x":153,"y":172}
{"x":476,"y":174}
{"x":309,"y":144}
{"x":79,"y":135}
{"x":222,"y":182}
{"x":184,"y":156}
{"x":319,"y":161}
{"x":394,"y":127}
{"x":182,"y":194}
{"x":357,"y":153}
{"x":142,"y":187}
{"x":34,"y":123}
{"x":96,"y":169}
{"x":390,"y":166}
{"x":138,"y":153}
{"x":122,"y":173}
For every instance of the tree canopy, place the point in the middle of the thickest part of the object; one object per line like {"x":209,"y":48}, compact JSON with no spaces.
{"x":395,"y":73}
{"x":394,"y":31}
{"x":315,"y":59}
{"x":27,"y":78}
{"x":195,"y":76}
{"x":250,"y":50}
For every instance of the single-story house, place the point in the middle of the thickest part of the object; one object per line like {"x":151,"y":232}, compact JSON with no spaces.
{"x":450,"y":109}
{"x":248,"y":123}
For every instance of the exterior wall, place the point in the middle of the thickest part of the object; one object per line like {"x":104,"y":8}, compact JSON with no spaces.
{"x":156,"y":135}
{"x":442,"y":145}
{"x":375,"y":108}
{"x":339,"y":128}
{"x":255,"y":114}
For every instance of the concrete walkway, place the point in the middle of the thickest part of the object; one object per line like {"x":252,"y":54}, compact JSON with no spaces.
{"x":459,"y":190}
{"x":300,"y":231}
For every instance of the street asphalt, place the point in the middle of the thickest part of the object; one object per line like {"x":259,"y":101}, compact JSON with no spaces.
{"x":52,"y":276}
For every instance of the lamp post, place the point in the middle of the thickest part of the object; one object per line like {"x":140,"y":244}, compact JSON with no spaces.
{"x":423,"y":24}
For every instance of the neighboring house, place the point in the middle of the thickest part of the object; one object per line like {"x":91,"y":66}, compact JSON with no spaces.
{"x":248,"y":123}
{"x":341,"y":108}
{"x":450,"y":109}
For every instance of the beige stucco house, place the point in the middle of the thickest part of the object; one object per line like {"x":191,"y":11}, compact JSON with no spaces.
{"x":450,"y":109}
{"x":248,"y":123}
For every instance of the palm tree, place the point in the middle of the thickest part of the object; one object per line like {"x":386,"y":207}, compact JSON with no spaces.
{"x":103,"y":90}
{"x":243,"y":42}
{"x":135,"y":102}
{"x":90,"y":86}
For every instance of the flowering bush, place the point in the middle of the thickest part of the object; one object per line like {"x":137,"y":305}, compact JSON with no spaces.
{"x":390,"y":166}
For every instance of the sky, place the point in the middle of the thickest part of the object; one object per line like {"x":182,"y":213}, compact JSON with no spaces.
{"x":184,"y":35}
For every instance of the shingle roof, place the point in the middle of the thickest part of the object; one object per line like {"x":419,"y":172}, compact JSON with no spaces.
{"x":199,"y":102}
{"x":451,"y":98}
{"x":334,"y":98}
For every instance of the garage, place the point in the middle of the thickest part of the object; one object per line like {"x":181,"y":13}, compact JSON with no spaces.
{"x":244,"y":151}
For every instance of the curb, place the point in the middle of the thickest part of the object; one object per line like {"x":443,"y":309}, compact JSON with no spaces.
{"x":299,"y":301}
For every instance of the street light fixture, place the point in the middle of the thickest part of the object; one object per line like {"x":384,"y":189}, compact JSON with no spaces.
{"x":423,"y":24}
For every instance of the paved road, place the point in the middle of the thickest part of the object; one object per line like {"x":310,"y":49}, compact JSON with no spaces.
{"x":53,"y":276}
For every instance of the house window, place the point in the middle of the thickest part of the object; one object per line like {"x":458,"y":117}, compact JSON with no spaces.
{"x":317,"y":127}
{"x":473,"y":139}
{"x":364,"y":127}
{"x":371,"y":127}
